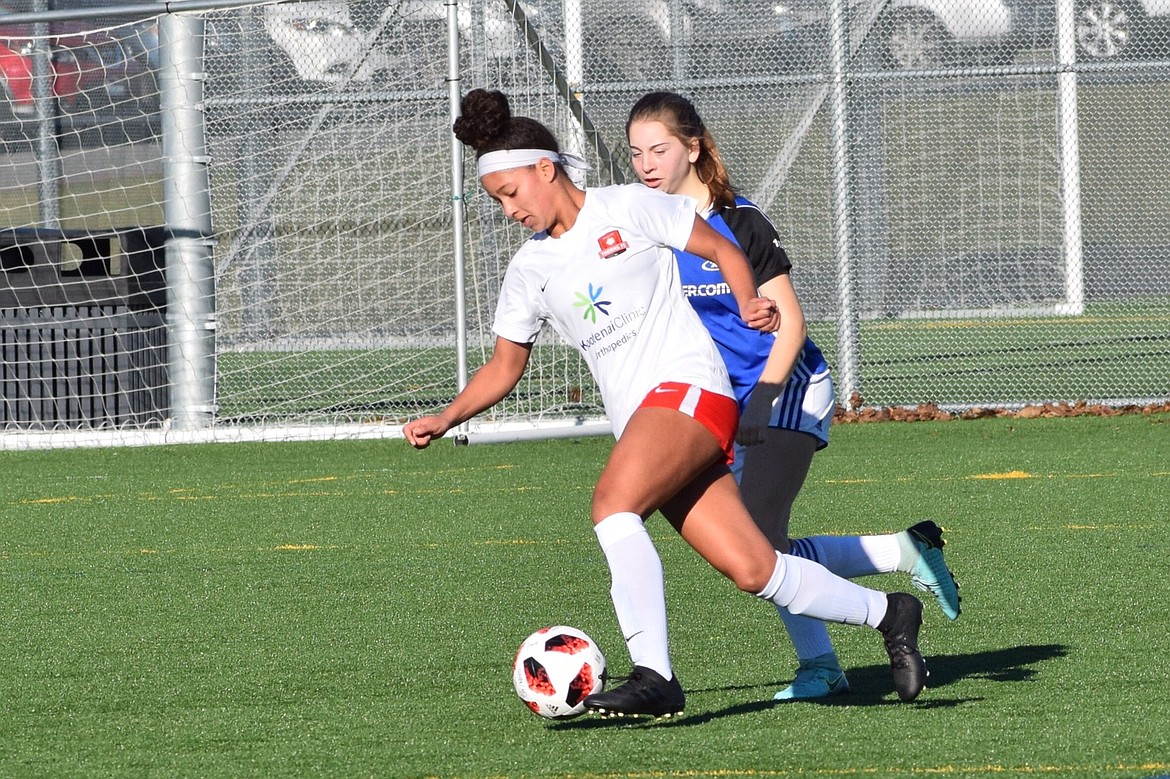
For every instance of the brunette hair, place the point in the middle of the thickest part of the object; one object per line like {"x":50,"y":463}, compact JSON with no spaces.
{"x":487,"y":124}
{"x":682,"y":120}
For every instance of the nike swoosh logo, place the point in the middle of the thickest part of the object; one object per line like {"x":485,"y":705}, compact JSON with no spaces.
{"x":663,"y":390}
{"x":545,"y":284}
{"x":632,"y":636}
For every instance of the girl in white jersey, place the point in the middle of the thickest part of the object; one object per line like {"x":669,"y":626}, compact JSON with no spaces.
{"x":599,"y":270}
{"x":781,"y":380}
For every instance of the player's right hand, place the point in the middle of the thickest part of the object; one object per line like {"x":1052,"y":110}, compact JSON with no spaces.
{"x":423,"y":430}
{"x":762,"y":314}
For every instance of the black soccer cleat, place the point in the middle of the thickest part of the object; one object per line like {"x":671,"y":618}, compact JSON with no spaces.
{"x":644,"y":694}
{"x":900,"y":628}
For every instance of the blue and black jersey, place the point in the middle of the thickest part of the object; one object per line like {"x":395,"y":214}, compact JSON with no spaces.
{"x":744,"y":350}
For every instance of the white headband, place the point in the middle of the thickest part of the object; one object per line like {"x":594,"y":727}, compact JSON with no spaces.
{"x":506,"y":159}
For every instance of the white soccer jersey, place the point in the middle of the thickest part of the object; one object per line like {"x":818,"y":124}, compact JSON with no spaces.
{"x":610,"y":287}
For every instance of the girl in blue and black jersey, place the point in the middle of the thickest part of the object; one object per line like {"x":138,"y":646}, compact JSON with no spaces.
{"x":781,"y":381}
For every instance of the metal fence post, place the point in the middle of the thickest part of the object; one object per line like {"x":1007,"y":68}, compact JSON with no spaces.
{"x":45,"y":102}
{"x":1070,"y":159}
{"x":455,"y":97}
{"x":848,"y":358}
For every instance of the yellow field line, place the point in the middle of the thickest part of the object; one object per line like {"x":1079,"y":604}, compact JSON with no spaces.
{"x":192,"y":495}
{"x":998,"y":476}
{"x":227,"y":493}
{"x":946,"y":770}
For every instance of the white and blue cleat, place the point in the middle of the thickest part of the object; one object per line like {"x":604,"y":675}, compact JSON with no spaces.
{"x":819,"y":677}
{"x":930,"y":572}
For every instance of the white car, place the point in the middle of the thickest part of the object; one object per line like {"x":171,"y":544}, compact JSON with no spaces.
{"x":1107,"y":29}
{"x":325,"y":42}
{"x":636,"y":40}
{"x":929,"y":33}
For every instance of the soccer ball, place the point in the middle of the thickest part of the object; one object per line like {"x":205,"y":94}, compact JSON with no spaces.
{"x":555,"y":669}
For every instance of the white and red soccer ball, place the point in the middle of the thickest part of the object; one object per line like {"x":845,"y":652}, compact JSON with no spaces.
{"x":555,"y":669}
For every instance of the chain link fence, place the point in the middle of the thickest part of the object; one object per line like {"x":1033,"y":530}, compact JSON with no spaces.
{"x":973,"y":193}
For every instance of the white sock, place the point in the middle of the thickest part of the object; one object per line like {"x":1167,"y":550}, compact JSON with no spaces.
{"x":852,"y":556}
{"x":910,"y":554}
{"x":809,"y":636}
{"x":637,"y":589}
{"x":804,"y":587}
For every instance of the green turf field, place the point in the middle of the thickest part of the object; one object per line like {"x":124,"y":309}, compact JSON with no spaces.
{"x":351,"y":609}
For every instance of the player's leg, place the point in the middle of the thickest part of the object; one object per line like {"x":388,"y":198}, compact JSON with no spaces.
{"x":710,"y":516}
{"x":916,"y":551}
{"x":640,"y":474}
{"x":771,"y":475}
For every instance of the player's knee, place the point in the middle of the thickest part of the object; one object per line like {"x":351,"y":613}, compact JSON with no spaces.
{"x":752,"y":576}
{"x":603,"y":502}
{"x":612,"y":495}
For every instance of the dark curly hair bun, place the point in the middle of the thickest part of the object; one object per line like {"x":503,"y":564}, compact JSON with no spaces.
{"x":485,"y":118}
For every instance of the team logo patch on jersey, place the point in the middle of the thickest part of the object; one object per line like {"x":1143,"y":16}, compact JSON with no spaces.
{"x":611,"y":244}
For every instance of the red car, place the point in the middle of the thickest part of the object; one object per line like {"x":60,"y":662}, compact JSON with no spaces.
{"x":95,"y":71}
{"x":16,"y":76}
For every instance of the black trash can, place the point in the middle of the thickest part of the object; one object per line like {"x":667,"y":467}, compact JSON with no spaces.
{"x":83,"y":341}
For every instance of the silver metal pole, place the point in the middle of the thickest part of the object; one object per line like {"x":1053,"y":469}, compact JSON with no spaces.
{"x":187,"y":212}
{"x":847,"y":369}
{"x":45,"y":107}
{"x":454,"y":96}
{"x":575,"y":74}
{"x":1070,"y":159}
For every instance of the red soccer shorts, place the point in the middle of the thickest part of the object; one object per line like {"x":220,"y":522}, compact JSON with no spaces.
{"x":718,"y":413}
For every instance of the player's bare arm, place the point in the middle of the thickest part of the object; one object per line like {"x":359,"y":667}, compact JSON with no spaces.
{"x":783,"y":356}
{"x":487,"y":387}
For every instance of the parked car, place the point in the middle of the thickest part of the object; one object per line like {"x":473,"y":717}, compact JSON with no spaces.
{"x":16,"y":77}
{"x":939,"y":33}
{"x":653,"y":39}
{"x":1107,"y":29}
{"x":322,"y":42}
{"x":95,"y":73}
{"x":662,"y":39}
{"x":916,"y":33}
{"x":17,"y":53}
{"x":360,"y":40}
{"x":112,"y":79}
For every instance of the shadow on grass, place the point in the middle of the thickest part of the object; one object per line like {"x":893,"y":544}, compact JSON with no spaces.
{"x":870,"y":685}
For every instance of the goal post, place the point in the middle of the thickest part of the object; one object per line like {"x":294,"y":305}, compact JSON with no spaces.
{"x":190,"y":271}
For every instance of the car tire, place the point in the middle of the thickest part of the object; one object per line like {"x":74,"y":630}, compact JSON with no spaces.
{"x":1107,"y":29}
{"x":913,"y":38}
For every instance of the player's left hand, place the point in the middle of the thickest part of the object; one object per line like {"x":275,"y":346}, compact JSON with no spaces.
{"x":762,"y":314}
